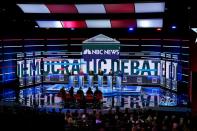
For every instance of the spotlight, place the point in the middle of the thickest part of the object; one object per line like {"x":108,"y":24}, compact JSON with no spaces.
{"x":173,"y":27}
{"x":158,"y":29}
{"x":131,"y":29}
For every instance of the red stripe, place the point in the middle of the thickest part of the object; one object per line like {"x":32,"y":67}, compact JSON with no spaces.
{"x":63,"y":8}
{"x":74,"y":24}
{"x":120,"y":8}
{"x":123,"y":23}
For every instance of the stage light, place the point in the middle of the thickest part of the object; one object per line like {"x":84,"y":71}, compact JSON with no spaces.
{"x":159,"y":29}
{"x":131,"y":29}
{"x":173,"y":27}
{"x":149,"y":23}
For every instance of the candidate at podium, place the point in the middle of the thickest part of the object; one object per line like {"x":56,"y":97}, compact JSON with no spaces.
{"x":71,"y":73}
{"x":81,"y":72}
{"x":100,"y":78}
{"x":81,"y":77}
{"x":119,"y":73}
{"x":119,"y":78}
{"x":109,"y":79}
{"x":100,"y":72}
{"x":90,"y":78}
{"x":91,"y":72}
{"x":110,"y":73}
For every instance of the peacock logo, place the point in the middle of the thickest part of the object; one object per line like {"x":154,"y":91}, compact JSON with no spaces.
{"x":87,"y":52}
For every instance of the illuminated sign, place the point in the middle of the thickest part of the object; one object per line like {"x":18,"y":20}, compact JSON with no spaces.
{"x":126,"y":66}
{"x":101,"y":46}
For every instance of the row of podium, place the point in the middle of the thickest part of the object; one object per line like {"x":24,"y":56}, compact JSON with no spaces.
{"x":79,"y":81}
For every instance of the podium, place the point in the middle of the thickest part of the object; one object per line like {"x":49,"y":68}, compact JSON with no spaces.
{"x":90,"y":80}
{"x":71,"y":81}
{"x":100,"y":81}
{"x":81,"y":80}
{"x":118,"y":81}
{"x":109,"y":81}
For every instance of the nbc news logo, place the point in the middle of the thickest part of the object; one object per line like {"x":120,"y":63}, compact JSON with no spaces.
{"x":87,"y":52}
{"x":100,"y":52}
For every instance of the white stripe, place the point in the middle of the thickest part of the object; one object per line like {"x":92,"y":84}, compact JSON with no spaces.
{"x":91,"y":8}
{"x":34,"y":8}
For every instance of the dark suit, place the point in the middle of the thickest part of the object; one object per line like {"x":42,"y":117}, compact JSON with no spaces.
{"x":100,"y":73}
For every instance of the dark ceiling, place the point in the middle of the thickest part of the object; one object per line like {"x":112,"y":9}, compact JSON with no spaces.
{"x":14,"y":22}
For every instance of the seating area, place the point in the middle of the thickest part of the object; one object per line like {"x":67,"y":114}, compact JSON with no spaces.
{"x":24,"y":118}
{"x":80,"y":100}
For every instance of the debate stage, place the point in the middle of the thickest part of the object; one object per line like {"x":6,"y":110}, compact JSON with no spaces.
{"x":124,"y":97}
{"x":143,"y":79}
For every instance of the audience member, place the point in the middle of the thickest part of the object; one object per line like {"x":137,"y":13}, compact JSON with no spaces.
{"x":140,"y":120}
{"x":89,"y":91}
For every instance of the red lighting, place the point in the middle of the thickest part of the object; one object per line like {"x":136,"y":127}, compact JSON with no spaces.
{"x":57,"y":8}
{"x":119,"y":8}
{"x":159,"y":29}
{"x":74,"y":24}
{"x":123,"y":23}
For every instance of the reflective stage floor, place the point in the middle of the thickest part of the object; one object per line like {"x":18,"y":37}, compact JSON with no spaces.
{"x":124,"y":97}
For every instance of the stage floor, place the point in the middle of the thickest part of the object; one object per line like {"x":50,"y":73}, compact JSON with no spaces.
{"x":125,"y":97}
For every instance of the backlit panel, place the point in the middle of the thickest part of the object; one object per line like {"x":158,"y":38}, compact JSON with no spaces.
{"x":123,"y":23}
{"x":74,"y":24}
{"x":98,"y":23}
{"x":57,"y":8}
{"x":149,"y":23}
{"x":90,"y":8}
{"x":49,"y":24}
{"x":119,"y":8}
{"x":149,"y":7}
{"x":34,"y":8}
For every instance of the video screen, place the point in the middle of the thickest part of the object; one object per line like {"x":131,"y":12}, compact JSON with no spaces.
{"x":167,"y":98}
{"x":169,"y":71}
{"x":29,"y":71}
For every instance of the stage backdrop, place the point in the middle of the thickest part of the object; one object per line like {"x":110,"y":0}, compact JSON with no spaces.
{"x":163,"y":71}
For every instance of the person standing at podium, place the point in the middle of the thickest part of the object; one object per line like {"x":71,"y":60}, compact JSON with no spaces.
{"x":91,"y":72}
{"x":81,"y":77}
{"x":111,"y":73}
{"x":110,"y":79}
{"x":119,"y":73}
{"x":71,"y":91}
{"x":100,"y":78}
{"x":100,"y":72}
{"x":81,"y":72}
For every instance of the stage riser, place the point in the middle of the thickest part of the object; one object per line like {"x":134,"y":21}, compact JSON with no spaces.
{"x":52,"y":100}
